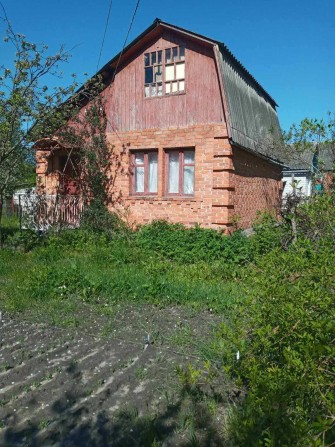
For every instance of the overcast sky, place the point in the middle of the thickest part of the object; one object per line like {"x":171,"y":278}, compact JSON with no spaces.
{"x":287,"y":45}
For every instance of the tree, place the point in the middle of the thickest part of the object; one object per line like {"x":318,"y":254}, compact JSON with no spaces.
{"x":29,"y":108}
{"x":94,"y":160}
{"x":313,"y":137}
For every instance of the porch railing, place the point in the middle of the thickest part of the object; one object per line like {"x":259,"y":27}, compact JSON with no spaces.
{"x":42,"y":212}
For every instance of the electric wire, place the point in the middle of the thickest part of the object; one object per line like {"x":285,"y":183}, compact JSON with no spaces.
{"x":126,"y":39}
{"x":105,"y":32}
{"x":119,"y":58}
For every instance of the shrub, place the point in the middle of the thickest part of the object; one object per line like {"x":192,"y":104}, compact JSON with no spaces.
{"x":98,"y":219}
{"x":189,"y":245}
{"x":24,"y":240}
{"x":269,"y":234}
{"x":284,"y":332}
{"x":316,"y":218}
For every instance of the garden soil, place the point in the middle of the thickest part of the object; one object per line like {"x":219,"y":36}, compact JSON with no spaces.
{"x":116,"y":380}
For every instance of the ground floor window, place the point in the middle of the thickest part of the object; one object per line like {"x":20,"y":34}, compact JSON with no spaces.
{"x":145,"y":172}
{"x":180,"y":171}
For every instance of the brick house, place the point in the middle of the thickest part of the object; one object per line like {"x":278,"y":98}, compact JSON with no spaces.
{"x":191,"y":118}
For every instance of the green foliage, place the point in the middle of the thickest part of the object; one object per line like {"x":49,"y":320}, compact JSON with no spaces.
{"x":28,"y":109}
{"x":316,"y":218}
{"x":279,"y":341}
{"x":310,"y":133}
{"x":9,"y":228}
{"x":189,"y":245}
{"x":94,"y":268}
{"x":24,"y":240}
{"x":269,"y":234}
{"x":96,"y":218}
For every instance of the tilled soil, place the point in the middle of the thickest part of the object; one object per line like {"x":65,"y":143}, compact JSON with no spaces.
{"x":76,"y":387}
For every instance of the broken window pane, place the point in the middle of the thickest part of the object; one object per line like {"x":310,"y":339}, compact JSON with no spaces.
{"x":153,"y":58}
{"x":149,"y":75}
{"x":146,"y":59}
{"x":180,"y":70}
{"x":158,"y":73}
{"x":174,"y":70}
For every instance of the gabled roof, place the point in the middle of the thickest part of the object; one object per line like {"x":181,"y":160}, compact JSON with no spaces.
{"x":250,"y":110}
{"x":223,"y":48}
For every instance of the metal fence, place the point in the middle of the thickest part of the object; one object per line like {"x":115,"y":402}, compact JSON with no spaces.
{"x":42,"y":212}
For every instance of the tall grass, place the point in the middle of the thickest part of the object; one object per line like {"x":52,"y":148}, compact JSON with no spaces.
{"x":91,"y":270}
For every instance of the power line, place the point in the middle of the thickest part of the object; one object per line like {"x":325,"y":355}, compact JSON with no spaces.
{"x":126,"y":39}
{"x":124,"y":45}
{"x":119,"y":58}
{"x":104,"y":36}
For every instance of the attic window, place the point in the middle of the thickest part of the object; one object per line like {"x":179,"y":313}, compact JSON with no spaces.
{"x":164,"y":72}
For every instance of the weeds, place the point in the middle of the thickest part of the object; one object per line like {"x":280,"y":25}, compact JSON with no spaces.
{"x":277,"y":338}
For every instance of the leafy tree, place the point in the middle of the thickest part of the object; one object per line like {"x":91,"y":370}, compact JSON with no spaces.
{"x":313,"y":137}
{"x":29,"y":109}
{"x":95,"y":162}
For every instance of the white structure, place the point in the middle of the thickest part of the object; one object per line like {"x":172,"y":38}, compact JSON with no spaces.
{"x":300,"y":180}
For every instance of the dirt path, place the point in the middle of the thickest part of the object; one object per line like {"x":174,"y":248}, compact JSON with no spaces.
{"x":66,"y":387}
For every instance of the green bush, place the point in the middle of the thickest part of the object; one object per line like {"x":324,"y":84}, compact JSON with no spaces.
{"x":269,"y":234}
{"x":98,"y":219}
{"x":24,"y":240}
{"x":316,"y":218}
{"x":284,"y":332}
{"x":190,"y":245}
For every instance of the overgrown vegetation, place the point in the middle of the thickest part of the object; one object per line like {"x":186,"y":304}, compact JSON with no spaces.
{"x":279,"y":340}
{"x":276,"y":296}
{"x":29,"y":108}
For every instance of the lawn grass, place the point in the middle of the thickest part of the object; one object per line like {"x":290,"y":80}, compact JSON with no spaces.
{"x":56,"y":278}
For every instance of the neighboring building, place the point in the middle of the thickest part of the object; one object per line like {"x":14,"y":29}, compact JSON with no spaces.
{"x":188,"y":119}
{"x":306,"y":172}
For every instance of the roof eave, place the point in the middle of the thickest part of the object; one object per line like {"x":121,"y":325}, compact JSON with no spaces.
{"x":258,"y":154}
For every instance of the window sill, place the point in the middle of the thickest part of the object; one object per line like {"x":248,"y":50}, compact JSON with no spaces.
{"x":164,"y":198}
{"x":165,"y":96}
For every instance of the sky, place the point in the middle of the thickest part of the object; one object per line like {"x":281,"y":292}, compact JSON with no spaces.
{"x":287,"y":45}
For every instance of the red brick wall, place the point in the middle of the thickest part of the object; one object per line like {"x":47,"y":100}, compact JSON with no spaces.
{"x":257,"y":186}
{"x":228,"y":181}
{"x":203,"y":208}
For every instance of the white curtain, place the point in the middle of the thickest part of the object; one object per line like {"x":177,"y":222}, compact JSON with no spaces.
{"x":188,"y":187}
{"x":152,"y":175}
{"x":173,"y":172}
{"x":139,"y":172}
{"x":139,"y":179}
